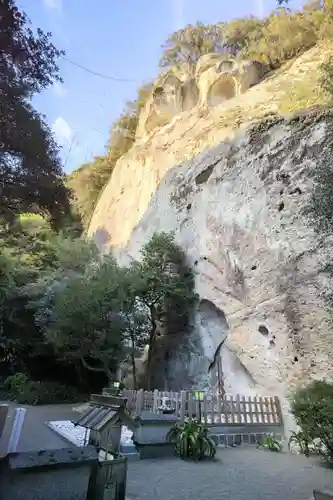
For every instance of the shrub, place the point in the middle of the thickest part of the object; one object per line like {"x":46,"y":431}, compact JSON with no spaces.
{"x":270,"y":443}
{"x":192,"y":441}
{"x":25,"y":391}
{"x":15,"y":383}
{"x":302,"y":440}
{"x":312,"y":407}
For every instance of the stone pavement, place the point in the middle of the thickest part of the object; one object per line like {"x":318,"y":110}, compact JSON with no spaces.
{"x":242,"y":473}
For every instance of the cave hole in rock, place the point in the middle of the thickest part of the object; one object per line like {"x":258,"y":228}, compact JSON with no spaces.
{"x":203,"y":177}
{"x":297,"y":190}
{"x":272,"y":342}
{"x":195,"y":262}
{"x":189,"y":206}
{"x":253,"y":268}
{"x":295,"y":359}
{"x":263,"y":330}
{"x":281,"y":206}
{"x":281,"y":192}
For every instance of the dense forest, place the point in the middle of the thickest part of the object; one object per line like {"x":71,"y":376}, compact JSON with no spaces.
{"x":71,"y":319}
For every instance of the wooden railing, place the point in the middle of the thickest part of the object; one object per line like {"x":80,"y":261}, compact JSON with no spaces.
{"x":212,"y":409}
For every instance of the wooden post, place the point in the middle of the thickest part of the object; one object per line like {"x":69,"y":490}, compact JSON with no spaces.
{"x":140,"y":402}
{"x":155,"y":400}
{"x":182,"y":405}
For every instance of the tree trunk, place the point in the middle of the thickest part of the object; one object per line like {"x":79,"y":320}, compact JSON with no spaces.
{"x":151,"y":347}
{"x":133,"y":360}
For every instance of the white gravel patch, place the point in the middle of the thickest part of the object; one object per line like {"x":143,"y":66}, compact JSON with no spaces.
{"x":79,"y":435}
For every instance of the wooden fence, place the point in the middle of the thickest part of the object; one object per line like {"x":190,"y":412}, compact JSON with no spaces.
{"x":213,"y":409}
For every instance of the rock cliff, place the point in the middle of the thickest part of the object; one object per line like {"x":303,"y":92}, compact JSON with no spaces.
{"x":236,"y":208}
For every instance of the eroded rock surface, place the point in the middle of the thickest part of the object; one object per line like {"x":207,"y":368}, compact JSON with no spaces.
{"x":234,"y":196}
{"x":213,"y":80}
{"x":238,"y":212}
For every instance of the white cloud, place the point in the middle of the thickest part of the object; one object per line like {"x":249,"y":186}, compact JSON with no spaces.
{"x":178,"y":7}
{"x":54,"y":5}
{"x":259,"y":7}
{"x":59,"y":89}
{"x":62,"y":131}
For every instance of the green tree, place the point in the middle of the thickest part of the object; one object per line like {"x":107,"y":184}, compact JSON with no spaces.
{"x":86,"y":323}
{"x":163,"y":284}
{"x":31,"y":262}
{"x":238,"y":33}
{"x":30,"y":167}
{"x":189,"y":44}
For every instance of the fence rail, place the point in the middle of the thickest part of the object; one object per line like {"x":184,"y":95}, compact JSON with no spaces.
{"x":212,"y":409}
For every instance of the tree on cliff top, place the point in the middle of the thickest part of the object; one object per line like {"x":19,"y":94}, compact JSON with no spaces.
{"x":189,"y":44}
{"x":30,"y":169}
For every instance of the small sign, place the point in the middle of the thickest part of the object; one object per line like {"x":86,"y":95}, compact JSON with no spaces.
{"x":116,"y":384}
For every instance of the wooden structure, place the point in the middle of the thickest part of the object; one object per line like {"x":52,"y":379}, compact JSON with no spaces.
{"x":212,"y":409}
{"x":104,"y":419}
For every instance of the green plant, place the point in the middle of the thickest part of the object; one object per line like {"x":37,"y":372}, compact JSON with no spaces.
{"x":302,"y":440}
{"x":192,"y":440}
{"x":15,"y":383}
{"x":312,"y":407}
{"x":31,"y":392}
{"x":270,"y":443}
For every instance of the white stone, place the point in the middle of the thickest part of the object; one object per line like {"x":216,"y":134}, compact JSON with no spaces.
{"x":77,"y":434}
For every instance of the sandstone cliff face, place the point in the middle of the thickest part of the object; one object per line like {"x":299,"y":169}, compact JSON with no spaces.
{"x":138,"y":173}
{"x":237,"y":211}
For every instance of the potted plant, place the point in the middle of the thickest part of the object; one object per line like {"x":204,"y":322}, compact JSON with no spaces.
{"x":191,"y":440}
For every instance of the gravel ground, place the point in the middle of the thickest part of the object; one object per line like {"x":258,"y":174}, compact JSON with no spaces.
{"x":242,"y":473}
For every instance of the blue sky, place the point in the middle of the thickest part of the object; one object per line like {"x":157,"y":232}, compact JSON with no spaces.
{"x":118,"y":38}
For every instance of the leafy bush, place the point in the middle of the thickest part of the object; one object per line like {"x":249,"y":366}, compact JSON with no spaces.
{"x":312,"y":407}
{"x":192,"y":441}
{"x":25,"y":391}
{"x":302,"y":440}
{"x":15,"y":383}
{"x":270,"y":443}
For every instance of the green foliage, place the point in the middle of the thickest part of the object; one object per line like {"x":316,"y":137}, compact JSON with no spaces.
{"x":302,"y":440}
{"x":270,"y":443}
{"x":284,"y":35}
{"x":163,"y":284}
{"x":30,"y":169}
{"x":189,"y":44}
{"x":192,"y":441}
{"x":85,"y":324}
{"x":15,"y":383}
{"x":312,"y":407}
{"x":25,"y":391}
